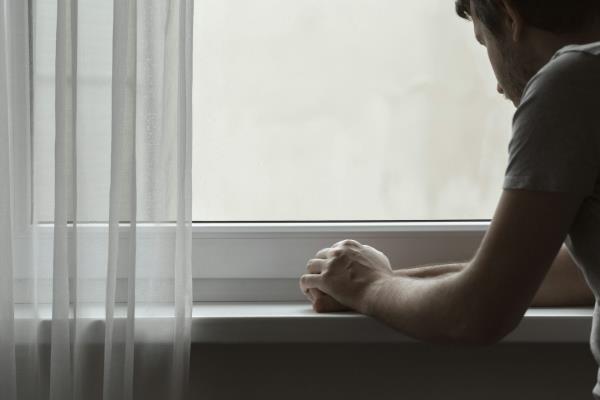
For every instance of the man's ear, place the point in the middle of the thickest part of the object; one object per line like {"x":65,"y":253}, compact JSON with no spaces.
{"x":514,"y":20}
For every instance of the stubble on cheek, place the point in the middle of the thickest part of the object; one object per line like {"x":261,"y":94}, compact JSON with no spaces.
{"x":515,"y":72}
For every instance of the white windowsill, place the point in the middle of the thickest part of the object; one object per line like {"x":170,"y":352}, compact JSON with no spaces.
{"x":296,"y":322}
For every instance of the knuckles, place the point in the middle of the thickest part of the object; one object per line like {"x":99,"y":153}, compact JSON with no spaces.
{"x":303,"y":282}
{"x":308,"y":264}
{"x":349,"y":243}
{"x":345,"y":251}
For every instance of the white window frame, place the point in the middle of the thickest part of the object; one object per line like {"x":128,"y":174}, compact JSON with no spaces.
{"x":263,"y":261}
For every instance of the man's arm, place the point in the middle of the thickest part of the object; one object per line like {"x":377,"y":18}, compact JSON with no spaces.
{"x":486,"y":299}
{"x":563,"y":286}
{"x":479,"y":304}
{"x":430,"y":271}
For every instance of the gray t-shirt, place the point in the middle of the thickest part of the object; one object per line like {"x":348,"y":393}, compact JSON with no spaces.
{"x":556,"y":147}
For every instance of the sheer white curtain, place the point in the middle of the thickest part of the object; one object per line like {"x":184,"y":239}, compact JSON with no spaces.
{"x":95,"y":199}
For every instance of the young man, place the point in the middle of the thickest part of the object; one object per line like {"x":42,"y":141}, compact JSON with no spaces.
{"x":546,"y":58}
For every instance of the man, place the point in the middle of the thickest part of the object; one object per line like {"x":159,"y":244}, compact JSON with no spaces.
{"x":546,"y":58}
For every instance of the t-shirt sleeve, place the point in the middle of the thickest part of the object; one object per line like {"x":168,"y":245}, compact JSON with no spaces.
{"x":555,"y":145}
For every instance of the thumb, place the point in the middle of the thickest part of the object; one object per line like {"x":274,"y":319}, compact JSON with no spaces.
{"x":322,"y":302}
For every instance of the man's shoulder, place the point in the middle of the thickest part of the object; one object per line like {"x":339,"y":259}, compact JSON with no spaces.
{"x":574,"y":70}
{"x":592,"y":49}
{"x":555,"y":144}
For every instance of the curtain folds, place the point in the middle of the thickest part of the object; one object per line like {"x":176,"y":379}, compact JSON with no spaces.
{"x":95,"y":206}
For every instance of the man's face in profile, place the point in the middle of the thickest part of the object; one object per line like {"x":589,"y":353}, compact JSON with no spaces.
{"x":510,"y":61}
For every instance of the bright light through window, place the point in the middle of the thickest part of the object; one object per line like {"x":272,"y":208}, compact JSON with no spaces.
{"x":343,"y":110}
{"x":303,"y":110}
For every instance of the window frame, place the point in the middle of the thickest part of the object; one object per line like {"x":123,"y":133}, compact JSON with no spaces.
{"x":263,"y":261}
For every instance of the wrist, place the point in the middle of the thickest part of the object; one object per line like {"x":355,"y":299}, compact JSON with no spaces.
{"x":374,"y":293}
{"x":401,"y":272}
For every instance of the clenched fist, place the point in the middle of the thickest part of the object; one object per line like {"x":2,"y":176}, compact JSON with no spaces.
{"x":345,"y":276}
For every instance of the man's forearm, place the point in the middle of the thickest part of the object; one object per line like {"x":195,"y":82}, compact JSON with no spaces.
{"x":430,"y":271}
{"x":434,"y":302}
{"x":434,"y":309}
{"x":563,"y":286}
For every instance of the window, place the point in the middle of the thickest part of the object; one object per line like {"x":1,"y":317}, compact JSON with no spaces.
{"x":304,"y":110}
{"x":353,"y":110}
{"x":94,"y":70}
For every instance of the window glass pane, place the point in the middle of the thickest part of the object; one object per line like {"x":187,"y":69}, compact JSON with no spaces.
{"x":94,"y":69}
{"x":155,"y":149}
{"x":343,"y":110}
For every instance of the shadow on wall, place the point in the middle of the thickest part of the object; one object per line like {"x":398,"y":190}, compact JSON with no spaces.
{"x":408,"y":372}
{"x":348,"y":372}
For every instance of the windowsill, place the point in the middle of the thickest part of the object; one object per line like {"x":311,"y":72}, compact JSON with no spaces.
{"x":294,"y":322}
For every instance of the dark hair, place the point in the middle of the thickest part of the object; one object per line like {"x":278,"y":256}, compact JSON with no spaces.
{"x":557,"y":16}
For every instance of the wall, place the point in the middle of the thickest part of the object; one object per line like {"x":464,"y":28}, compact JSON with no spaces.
{"x":405,"y":371}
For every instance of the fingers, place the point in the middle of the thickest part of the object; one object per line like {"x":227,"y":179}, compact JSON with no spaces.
{"x":324,"y":253}
{"x":371,"y":248}
{"x":329,"y":252}
{"x":316,"y":265}
{"x":322,"y":302}
{"x":312,"y":284}
{"x":310,"y":281}
{"x":347,"y":244}
{"x":309,"y":293}
{"x":325,"y":303}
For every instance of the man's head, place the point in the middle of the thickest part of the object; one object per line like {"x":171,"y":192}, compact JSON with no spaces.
{"x":522,"y":35}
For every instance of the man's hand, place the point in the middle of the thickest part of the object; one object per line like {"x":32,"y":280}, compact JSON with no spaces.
{"x":324,"y":303}
{"x":345,"y":276}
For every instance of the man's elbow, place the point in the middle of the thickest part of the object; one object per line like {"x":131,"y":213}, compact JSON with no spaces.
{"x":487,"y":331}
{"x":485,"y":338}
